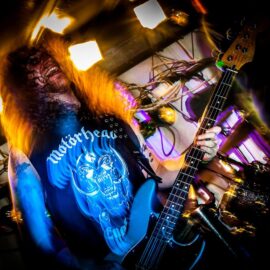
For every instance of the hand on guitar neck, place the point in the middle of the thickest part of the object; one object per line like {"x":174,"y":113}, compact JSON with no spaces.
{"x":208,"y":143}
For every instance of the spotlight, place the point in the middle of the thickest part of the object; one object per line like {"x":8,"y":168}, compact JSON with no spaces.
{"x":84,"y":55}
{"x":54,"y":22}
{"x":150,"y":14}
{"x":167,"y":115}
{"x":57,"y":23}
{"x":179,"y":17}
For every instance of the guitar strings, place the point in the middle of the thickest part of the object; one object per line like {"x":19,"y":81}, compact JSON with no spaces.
{"x":226,"y":83}
{"x":148,"y":257}
{"x":224,"y":79}
{"x":162,"y":243}
{"x":210,"y":117}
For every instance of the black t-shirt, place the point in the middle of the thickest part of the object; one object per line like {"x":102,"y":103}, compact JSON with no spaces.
{"x":89,"y":175}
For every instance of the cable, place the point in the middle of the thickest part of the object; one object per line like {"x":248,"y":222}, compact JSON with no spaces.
{"x":162,"y":144}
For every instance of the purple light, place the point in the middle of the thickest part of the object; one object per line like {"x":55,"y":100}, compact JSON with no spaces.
{"x":257,"y":138}
{"x":143,"y":116}
{"x":126,"y":95}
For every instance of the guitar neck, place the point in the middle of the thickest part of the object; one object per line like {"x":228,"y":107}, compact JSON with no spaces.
{"x":178,"y":195}
{"x":217,"y":100}
{"x":240,"y":52}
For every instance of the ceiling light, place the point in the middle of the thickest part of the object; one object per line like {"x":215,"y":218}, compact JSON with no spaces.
{"x":150,"y":14}
{"x":54,"y":22}
{"x":84,"y":55}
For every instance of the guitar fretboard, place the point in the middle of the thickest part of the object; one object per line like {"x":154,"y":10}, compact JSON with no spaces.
{"x":178,"y":195}
{"x":173,"y":208}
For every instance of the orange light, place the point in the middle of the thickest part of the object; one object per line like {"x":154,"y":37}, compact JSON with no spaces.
{"x":228,"y":168}
{"x":1,"y":104}
{"x":167,"y":115}
{"x":179,"y":17}
{"x":199,"y":6}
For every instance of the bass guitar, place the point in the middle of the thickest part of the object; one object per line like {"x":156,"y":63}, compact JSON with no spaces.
{"x":150,"y":241}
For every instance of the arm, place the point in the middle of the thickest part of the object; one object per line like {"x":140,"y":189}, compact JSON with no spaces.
{"x":169,"y":168}
{"x":27,"y":190}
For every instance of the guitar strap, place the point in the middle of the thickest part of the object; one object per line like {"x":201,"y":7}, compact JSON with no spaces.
{"x":143,"y":162}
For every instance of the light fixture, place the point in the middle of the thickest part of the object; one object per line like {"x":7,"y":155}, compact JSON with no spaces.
{"x":54,"y":22}
{"x":167,"y":115}
{"x":84,"y":55}
{"x":179,"y":17}
{"x":150,"y":14}
{"x":57,"y":23}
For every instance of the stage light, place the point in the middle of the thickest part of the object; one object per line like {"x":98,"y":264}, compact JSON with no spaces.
{"x":179,"y":17}
{"x":54,"y":22}
{"x":199,"y":6}
{"x":84,"y":55}
{"x":150,"y":14}
{"x":167,"y":115}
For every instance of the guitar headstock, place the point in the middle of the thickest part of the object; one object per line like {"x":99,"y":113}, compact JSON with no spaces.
{"x":241,"y":51}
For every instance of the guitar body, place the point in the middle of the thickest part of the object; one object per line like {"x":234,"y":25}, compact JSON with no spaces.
{"x":178,"y":255}
{"x":183,"y":253}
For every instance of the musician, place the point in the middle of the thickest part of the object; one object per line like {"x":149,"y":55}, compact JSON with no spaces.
{"x":74,"y":155}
